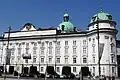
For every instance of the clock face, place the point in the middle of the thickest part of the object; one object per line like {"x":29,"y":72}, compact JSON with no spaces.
{"x":28,"y":27}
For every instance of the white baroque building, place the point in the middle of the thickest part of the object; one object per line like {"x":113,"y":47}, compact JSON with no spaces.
{"x":62,"y":46}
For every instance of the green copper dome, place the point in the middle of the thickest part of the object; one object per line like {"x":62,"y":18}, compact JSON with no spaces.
{"x":66,"y":25}
{"x":101,"y":16}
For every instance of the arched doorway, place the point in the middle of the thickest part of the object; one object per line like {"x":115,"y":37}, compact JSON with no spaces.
{"x":25,"y":70}
{"x":50,"y":70}
{"x":66,"y":70}
{"x":11,"y":69}
{"x":1,"y":69}
{"x":33,"y":69}
{"x":85,"y":71}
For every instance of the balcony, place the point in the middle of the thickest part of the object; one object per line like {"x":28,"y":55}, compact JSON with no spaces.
{"x":26,"y":56}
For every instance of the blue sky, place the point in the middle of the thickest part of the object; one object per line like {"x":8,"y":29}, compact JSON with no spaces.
{"x":47,"y":13}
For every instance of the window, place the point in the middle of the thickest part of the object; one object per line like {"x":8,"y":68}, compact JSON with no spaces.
{"x":58,"y":50}
{"x":74,"y":42}
{"x":74,"y":50}
{"x":58,"y":69}
{"x":103,"y":69}
{"x":112,"y":48}
{"x":74,"y":69}
{"x":35,"y":44}
{"x":34,"y":60}
{"x":50,"y":50}
{"x":34,"y":51}
{"x":89,"y":39}
{"x":74,"y":60}
{"x":84,"y":60}
{"x":42,"y":69}
{"x":93,"y":59}
{"x":19,"y":51}
{"x":66,"y":60}
{"x":113,"y":69}
{"x":58,"y":43}
{"x":42,"y":60}
{"x":93,"y":46}
{"x":58,"y":60}
{"x":112,"y":59}
{"x":63,"y":27}
{"x":50,"y":44}
{"x":93,"y":40}
{"x":93,"y":71}
{"x":66,"y":50}
{"x":84,"y":49}
{"x":26,"y":60}
{"x":42,"y":44}
{"x":66,"y":43}
{"x":84,"y":42}
{"x":50,"y":60}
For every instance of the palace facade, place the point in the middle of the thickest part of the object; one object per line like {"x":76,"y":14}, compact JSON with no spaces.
{"x":61,"y":48}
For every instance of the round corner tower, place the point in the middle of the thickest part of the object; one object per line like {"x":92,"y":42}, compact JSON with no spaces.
{"x":102,"y":24}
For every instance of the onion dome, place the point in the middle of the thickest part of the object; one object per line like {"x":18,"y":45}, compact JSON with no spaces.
{"x":101,"y":16}
{"x":66,"y":26}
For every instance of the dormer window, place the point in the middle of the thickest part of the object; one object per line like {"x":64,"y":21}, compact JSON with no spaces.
{"x":94,"y":18}
{"x":109,"y":17}
{"x":63,"y":27}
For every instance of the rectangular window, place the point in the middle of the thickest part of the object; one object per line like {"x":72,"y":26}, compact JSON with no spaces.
{"x":74,"y":42}
{"x":34,"y":51}
{"x":58,"y":43}
{"x":58,"y":50}
{"x":112,"y":48}
{"x":74,"y":50}
{"x":50,"y":50}
{"x":93,"y":46}
{"x":50,"y":44}
{"x":42,"y":60}
{"x":66,"y":43}
{"x":58,"y":69}
{"x":112,"y":59}
{"x":84,"y":50}
{"x":19,"y":51}
{"x":42,"y":44}
{"x":93,"y":71}
{"x":26,"y":60}
{"x":74,"y":60}
{"x":93,"y":59}
{"x":42,"y":50}
{"x":84,"y":42}
{"x":66,"y":50}
{"x":74,"y":69}
{"x":42,"y":69}
{"x":113,"y":69}
{"x":66,"y":60}
{"x":34,"y":60}
{"x":50,"y":60}
{"x":58,"y":60}
{"x":84,"y":60}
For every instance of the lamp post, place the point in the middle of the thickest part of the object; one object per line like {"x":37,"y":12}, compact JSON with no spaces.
{"x":98,"y":46}
{"x":7,"y":52}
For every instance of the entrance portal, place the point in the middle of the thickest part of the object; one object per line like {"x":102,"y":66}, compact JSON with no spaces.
{"x":11,"y":69}
{"x":85,"y":71}
{"x":66,"y":70}
{"x":25,"y":70}
{"x":33,"y":69}
{"x":50,"y":70}
{"x":2,"y":69}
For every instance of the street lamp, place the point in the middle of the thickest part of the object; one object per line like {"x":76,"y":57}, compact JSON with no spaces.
{"x":98,"y":47}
